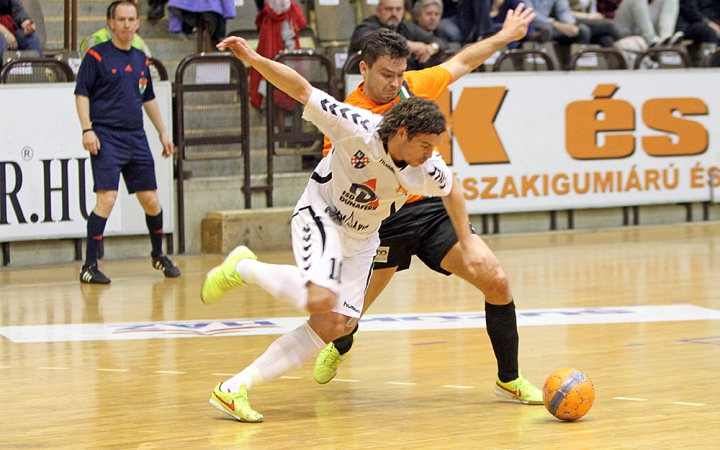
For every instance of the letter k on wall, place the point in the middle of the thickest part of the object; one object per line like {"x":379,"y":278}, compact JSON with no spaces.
{"x":472,"y":124}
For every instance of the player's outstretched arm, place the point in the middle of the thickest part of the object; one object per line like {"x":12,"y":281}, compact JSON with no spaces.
{"x":472,"y":256}
{"x":280,"y":75}
{"x":514,"y":28}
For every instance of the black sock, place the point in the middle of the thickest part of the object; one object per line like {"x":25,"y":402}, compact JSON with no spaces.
{"x":95,"y":230}
{"x":501,"y":326}
{"x":155,"y":226}
{"x":343,"y":344}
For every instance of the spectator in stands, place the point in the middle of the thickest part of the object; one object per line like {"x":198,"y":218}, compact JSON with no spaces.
{"x":465,"y":21}
{"x":427,"y":14}
{"x":110,"y":109}
{"x":214,"y":13}
{"x":157,"y":9}
{"x":105,"y":34}
{"x":655,"y":22}
{"x":700,"y":21}
{"x":602,"y":30}
{"x":17,"y":29}
{"x":556,"y":18}
{"x":278,"y":24}
{"x":389,"y":14}
{"x":499,"y":11}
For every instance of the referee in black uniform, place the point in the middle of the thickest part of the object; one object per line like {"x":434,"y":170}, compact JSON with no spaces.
{"x":113,"y":86}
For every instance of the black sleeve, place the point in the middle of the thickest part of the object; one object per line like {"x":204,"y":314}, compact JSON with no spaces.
{"x":19,"y":14}
{"x":362,"y":29}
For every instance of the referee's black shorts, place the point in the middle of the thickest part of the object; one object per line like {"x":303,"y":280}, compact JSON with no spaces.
{"x":421,"y":228}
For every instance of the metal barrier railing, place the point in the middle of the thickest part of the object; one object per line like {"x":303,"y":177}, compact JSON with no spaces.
{"x":211,"y":100}
{"x":36,"y":70}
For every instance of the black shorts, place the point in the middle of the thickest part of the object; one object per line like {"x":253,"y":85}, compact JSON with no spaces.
{"x":125,"y":152}
{"x":421,"y":228}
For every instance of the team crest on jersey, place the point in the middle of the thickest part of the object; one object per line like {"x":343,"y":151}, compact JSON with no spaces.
{"x":361,"y":196}
{"x":142,"y":85}
{"x":359,"y":160}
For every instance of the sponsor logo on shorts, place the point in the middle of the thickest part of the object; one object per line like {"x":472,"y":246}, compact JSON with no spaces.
{"x":359,"y":160}
{"x":382,"y":254}
{"x":345,"y":304}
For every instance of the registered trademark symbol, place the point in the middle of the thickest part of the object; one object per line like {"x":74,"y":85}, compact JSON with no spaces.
{"x":27,"y":153}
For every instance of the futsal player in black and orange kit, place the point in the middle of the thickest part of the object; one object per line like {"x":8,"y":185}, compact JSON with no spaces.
{"x":113,"y":87}
{"x":423,"y":227}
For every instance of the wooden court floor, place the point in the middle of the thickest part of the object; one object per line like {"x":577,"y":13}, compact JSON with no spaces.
{"x":636,"y":309}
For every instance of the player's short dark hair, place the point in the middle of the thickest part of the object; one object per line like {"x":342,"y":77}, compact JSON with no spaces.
{"x":384,"y":42}
{"x":417,"y":115}
{"x":110,"y":13}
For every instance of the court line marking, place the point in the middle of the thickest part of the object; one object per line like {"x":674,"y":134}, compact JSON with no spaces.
{"x":53,"y":368}
{"x":382,"y":322}
{"x":169,"y":372}
{"x":341,"y":380}
{"x":630,"y":399}
{"x":224,"y":374}
{"x":285,"y":377}
{"x":452,"y":386}
{"x":401,"y":383}
{"x":687,"y":404}
{"x":111,"y":370}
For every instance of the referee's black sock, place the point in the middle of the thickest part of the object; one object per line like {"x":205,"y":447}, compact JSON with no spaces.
{"x":344,"y":344}
{"x":155,"y":227}
{"x":95,"y":230}
{"x":501,"y":326}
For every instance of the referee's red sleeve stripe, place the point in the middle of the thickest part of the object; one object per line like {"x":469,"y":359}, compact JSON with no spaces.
{"x":95,"y":54}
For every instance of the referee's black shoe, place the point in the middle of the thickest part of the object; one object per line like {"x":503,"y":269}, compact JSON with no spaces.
{"x":92,"y":275}
{"x":163,"y":263}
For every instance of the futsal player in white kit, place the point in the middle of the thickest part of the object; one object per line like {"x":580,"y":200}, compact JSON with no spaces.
{"x":376,"y":161}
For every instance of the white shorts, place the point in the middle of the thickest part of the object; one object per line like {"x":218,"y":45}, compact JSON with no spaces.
{"x":327,"y":257}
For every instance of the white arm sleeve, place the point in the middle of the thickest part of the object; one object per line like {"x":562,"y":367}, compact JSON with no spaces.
{"x":338,"y":120}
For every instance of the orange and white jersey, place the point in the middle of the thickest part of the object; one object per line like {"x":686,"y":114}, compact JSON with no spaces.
{"x":358,"y":183}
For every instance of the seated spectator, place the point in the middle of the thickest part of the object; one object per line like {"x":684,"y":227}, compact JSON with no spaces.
{"x":17,"y":29}
{"x":556,"y":18}
{"x":105,"y":34}
{"x":700,"y":21}
{"x":499,"y":11}
{"x":465,"y":21}
{"x":214,"y":13}
{"x":427,"y":14}
{"x":602,"y":30}
{"x":278,"y":22}
{"x":389,"y":14}
{"x":655,"y":22}
{"x":157,"y":9}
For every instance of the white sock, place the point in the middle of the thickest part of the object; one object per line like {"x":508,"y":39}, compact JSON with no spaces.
{"x":286,"y":353}
{"x":282,"y":281}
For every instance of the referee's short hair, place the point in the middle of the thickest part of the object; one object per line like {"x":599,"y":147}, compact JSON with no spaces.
{"x":110,"y":13}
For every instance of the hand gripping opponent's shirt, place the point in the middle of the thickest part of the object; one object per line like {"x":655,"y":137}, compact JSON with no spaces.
{"x":358,"y":181}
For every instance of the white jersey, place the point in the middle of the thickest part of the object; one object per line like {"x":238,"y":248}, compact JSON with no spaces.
{"x":358,"y":182}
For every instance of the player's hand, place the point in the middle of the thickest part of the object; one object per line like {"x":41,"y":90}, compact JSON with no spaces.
{"x":517,"y":22}
{"x":238,"y":46}
{"x":477,"y":256}
{"x":168,"y":146}
{"x":91,"y":142}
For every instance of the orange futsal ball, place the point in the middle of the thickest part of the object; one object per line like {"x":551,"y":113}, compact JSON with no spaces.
{"x":568,"y":394}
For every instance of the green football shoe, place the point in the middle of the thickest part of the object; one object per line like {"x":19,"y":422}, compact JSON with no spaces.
{"x":224,"y":277}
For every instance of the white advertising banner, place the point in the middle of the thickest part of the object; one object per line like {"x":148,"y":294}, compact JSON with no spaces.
{"x":569,"y":140}
{"x":46,"y":185}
